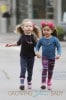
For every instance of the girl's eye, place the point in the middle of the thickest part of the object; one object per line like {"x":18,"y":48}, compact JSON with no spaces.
{"x":46,"y":29}
{"x":29,"y":26}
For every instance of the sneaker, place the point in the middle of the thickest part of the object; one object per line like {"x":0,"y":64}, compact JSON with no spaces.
{"x":22,"y":87}
{"x":43,"y":86}
{"x":29,"y":85}
{"x":49,"y":85}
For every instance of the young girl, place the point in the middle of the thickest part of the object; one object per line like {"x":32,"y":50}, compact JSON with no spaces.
{"x":28,"y":38}
{"x":49,"y":43}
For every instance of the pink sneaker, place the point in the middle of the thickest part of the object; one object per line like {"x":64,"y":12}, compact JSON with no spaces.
{"x":49,"y":84}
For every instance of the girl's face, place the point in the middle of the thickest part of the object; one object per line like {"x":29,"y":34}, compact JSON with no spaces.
{"x":47,"y":31}
{"x":28,"y":27}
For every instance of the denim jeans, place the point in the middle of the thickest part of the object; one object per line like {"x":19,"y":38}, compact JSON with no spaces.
{"x":26,"y":65}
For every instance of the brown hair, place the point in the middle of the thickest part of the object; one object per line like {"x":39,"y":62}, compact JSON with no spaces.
{"x":19,"y":29}
{"x":54,"y":33}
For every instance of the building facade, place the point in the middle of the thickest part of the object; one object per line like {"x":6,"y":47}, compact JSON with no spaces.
{"x":54,"y":10}
{"x":44,"y":10}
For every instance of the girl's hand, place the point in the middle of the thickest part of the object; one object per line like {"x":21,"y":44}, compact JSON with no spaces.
{"x":38,"y":55}
{"x":57,"y":57}
{"x":8,"y":45}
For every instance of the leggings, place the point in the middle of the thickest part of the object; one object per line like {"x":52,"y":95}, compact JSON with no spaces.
{"x":48,"y":66}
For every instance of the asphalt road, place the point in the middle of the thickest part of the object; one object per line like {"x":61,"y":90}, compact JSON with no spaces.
{"x":10,"y":70}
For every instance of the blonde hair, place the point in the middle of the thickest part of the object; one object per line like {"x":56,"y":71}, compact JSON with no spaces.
{"x":36,"y":29}
{"x":26,"y":20}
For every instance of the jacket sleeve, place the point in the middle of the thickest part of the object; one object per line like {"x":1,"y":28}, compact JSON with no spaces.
{"x":58,"y":45}
{"x":38,"y":45}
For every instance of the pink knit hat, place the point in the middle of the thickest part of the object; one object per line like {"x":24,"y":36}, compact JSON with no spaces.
{"x":50,"y":24}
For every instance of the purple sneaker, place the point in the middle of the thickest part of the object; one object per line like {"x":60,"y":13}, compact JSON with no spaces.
{"x":43,"y":86}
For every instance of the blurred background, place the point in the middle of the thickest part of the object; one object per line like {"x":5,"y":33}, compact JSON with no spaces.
{"x":12,"y":12}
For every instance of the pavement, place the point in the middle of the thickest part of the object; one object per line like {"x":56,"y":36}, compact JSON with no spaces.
{"x":10,"y":70}
{"x":11,"y":37}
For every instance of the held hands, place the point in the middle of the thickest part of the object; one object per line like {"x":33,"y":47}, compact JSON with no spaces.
{"x":37,"y":54}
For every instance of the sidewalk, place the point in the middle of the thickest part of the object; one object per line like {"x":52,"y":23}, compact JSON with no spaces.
{"x":8,"y":37}
{"x":10,"y":70}
{"x":13,"y":37}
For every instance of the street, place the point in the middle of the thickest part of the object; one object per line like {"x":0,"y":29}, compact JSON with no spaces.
{"x":10,"y":71}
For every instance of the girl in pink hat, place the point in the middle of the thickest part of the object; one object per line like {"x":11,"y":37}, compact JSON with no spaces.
{"x":50,"y":44}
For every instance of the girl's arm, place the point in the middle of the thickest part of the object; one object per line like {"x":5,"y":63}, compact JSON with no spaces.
{"x":9,"y":45}
{"x":59,"y":50}
{"x":38,"y":45}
